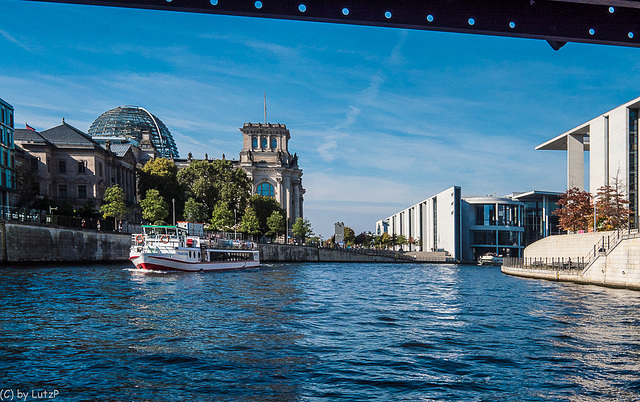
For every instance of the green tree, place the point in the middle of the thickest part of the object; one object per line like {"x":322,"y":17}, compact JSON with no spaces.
{"x":574,"y":210}
{"x":154,"y":207}
{"x":250,"y":224}
{"x":386,"y":240}
{"x":161,"y":174}
{"x":364,"y":239}
{"x":113,"y":203}
{"x":27,"y":185}
{"x":193,"y":211}
{"x":233,"y":185}
{"x":349,"y":235}
{"x":401,"y":240}
{"x":211,"y":181}
{"x":88,"y":210}
{"x":222,"y":218}
{"x":263,"y":207}
{"x":302,"y":228}
{"x":276,"y":223}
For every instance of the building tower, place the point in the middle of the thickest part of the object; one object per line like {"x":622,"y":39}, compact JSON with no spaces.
{"x":273,"y":171}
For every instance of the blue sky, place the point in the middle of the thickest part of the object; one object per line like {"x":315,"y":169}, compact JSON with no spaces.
{"x":381,"y":118}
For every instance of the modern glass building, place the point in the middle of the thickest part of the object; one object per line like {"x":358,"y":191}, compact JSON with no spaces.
{"x":469,"y":227}
{"x":494,"y":225}
{"x":134,"y":123}
{"x":7,"y":162}
{"x":539,"y":219}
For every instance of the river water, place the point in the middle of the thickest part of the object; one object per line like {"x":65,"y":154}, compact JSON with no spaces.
{"x":314,"y":332}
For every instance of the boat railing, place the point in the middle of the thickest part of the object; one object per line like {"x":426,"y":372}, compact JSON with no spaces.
{"x":171,"y":241}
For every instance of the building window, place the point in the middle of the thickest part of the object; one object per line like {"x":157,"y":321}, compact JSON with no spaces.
{"x":62,"y":190}
{"x":487,"y":237}
{"x":264,"y":143}
{"x":82,"y":191}
{"x":254,"y":142}
{"x":82,"y":167}
{"x":62,"y":167}
{"x":274,"y":143}
{"x":34,"y":164}
{"x":100,"y":169}
{"x":266,"y":189}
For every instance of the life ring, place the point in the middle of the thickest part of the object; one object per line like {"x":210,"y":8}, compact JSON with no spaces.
{"x":140,"y":239}
{"x":164,"y":239}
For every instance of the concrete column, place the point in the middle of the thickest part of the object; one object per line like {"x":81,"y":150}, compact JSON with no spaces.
{"x":575,"y":162}
{"x":295,"y":201}
{"x":287,"y":199}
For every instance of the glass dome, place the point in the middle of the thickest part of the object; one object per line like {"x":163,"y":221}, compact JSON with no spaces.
{"x":130,"y":122}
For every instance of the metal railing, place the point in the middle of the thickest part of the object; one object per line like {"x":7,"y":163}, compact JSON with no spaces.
{"x":602,"y":247}
{"x":555,"y":264}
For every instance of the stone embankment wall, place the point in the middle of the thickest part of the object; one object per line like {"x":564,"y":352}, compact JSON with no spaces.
{"x":565,"y":246}
{"x":31,"y":243}
{"x":27,"y":243}
{"x":290,"y":253}
{"x":617,"y":267}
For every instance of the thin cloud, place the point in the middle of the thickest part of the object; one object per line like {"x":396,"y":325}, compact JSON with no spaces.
{"x":14,"y":40}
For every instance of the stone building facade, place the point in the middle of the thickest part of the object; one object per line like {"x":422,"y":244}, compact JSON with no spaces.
{"x":71,"y":167}
{"x":273,"y":171}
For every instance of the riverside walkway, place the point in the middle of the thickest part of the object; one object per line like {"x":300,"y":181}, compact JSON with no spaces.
{"x":609,"y":259}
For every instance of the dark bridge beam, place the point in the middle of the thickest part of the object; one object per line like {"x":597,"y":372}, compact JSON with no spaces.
{"x":616,"y":22}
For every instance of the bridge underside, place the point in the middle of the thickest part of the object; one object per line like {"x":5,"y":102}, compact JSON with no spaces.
{"x":557,"y":21}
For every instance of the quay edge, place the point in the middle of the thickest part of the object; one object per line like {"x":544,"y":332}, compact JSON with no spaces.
{"x":27,"y":243}
{"x":614,"y":260}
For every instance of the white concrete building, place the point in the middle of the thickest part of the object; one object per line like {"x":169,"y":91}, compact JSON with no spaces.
{"x":470,"y":227}
{"x":434,"y":222}
{"x":612,"y":140}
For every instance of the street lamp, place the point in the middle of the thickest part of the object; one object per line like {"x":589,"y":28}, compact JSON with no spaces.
{"x":235,"y":225}
{"x":173,"y":200}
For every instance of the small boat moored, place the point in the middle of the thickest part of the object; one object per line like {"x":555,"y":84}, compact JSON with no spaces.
{"x":490,"y":259}
{"x":185,"y":248}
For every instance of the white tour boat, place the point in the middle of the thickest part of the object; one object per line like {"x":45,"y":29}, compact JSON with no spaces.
{"x":184,"y":248}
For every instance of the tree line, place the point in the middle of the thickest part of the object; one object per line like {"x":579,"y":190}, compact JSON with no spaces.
{"x":213,"y":192}
{"x":369,"y":240}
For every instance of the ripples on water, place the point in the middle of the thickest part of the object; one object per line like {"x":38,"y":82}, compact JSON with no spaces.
{"x":315,"y":332}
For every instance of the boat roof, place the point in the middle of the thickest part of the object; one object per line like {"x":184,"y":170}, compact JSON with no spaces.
{"x":158,"y":226}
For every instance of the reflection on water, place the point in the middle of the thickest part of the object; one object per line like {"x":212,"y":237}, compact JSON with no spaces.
{"x":315,"y":331}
